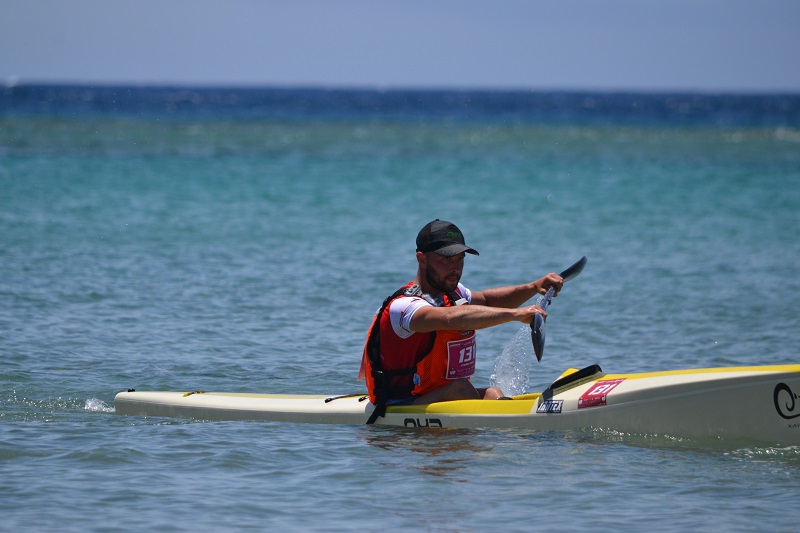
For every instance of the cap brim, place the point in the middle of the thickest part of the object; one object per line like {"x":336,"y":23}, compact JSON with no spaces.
{"x":455,"y":249}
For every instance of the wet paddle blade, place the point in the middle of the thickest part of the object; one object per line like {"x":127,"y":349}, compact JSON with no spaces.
{"x":537,"y":336}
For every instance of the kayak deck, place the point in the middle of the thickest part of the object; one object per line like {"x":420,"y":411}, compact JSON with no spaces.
{"x":757,"y":403}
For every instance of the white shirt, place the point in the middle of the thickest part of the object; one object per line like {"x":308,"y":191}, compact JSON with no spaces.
{"x":402,"y":309}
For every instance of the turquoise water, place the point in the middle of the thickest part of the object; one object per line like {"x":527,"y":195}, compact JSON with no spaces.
{"x":171,"y":240}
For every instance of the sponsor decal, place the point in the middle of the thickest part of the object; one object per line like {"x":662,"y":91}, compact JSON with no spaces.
{"x":424,"y":423}
{"x":550,"y":406}
{"x":598,"y":393}
{"x":786,"y":401}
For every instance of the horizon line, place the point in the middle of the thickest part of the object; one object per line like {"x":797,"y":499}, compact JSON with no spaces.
{"x":13,"y":81}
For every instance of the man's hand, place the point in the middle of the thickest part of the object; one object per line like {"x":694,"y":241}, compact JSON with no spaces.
{"x":550,"y":280}
{"x":527,"y":313}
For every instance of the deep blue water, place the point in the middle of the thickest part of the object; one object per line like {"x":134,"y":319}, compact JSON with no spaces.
{"x":676,"y":109}
{"x":240,"y":239}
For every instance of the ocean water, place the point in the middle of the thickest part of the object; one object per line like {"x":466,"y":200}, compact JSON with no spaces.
{"x":240,"y":240}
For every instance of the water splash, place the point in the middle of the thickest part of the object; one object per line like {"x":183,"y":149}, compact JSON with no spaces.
{"x":97,"y":406}
{"x":512,"y":368}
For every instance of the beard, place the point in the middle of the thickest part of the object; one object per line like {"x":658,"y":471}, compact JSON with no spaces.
{"x":441,"y":284}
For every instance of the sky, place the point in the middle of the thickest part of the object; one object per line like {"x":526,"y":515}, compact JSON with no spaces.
{"x":606,"y":45}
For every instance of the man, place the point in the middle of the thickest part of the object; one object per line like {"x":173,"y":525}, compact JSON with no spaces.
{"x":421,"y":345}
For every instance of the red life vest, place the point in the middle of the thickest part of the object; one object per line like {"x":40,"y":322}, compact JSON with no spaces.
{"x":400,"y":368}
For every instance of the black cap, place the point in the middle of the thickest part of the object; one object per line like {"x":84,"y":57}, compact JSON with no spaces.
{"x":442,"y":237}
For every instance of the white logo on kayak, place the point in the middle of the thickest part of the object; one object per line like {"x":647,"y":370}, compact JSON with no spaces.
{"x":550,"y":406}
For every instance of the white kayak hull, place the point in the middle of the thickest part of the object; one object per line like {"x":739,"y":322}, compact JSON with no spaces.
{"x":760,"y":404}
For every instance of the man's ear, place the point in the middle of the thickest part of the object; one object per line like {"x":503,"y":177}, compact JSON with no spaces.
{"x":421,"y":259}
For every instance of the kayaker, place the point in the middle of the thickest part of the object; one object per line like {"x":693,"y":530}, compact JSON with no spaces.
{"x":421,"y":346}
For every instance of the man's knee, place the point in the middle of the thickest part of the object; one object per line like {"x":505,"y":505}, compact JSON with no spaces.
{"x":492,"y":393}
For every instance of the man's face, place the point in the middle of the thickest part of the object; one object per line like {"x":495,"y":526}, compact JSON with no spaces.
{"x":443,"y":273}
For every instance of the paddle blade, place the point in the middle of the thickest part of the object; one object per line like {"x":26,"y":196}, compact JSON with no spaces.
{"x":575,"y":269}
{"x":537,"y":324}
{"x":537,"y":336}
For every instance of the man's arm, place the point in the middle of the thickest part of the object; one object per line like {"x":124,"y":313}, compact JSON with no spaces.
{"x":465,"y":317}
{"x":512,"y":296}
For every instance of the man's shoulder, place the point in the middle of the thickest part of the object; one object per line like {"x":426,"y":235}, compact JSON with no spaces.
{"x":414,"y":296}
{"x":464,"y":292}
{"x":406,"y":301}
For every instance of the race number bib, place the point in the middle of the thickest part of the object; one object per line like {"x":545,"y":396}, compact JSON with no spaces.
{"x":461,"y":358}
